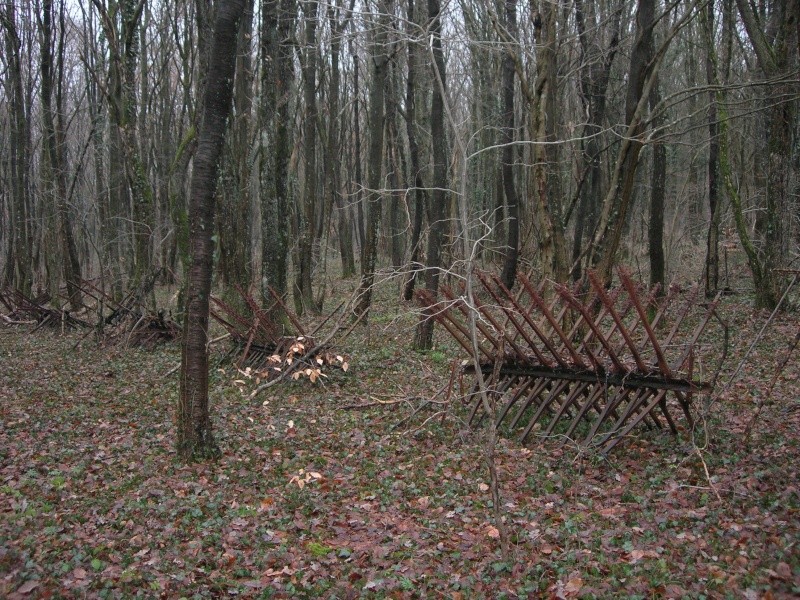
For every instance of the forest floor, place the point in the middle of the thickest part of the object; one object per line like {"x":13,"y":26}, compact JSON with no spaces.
{"x":395,"y":499}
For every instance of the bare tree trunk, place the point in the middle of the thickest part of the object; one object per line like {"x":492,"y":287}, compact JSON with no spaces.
{"x":618,"y":199}
{"x":358,"y":175}
{"x":423,"y":339}
{"x":773,"y":39}
{"x":277,"y":76}
{"x":53,"y":142}
{"x":195,"y":439}
{"x":235,"y":210}
{"x":334,"y":147}
{"x":19,"y":268}
{"x":597,"y":57}
{"x":507,"y":139}
{"x":418,"y":193}
{"x":125,"y":155}
{"x":547,"y":188}
{"x":658,"y":183}
{"x":377,"y":90}
{"x":712,"y":79}
{"x":303,"y":290}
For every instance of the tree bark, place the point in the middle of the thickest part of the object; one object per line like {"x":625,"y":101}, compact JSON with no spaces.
{"x":507,"y":139}
{"x":19,"y":265}
{"x":303,"y":290}
{"x":773,"y":43}
{"x":423,"y":339}
{"x":334,"y":146}
{"x":195,"y":438}
{"x":597,"y":58}
{"x":547,"y":190}
{"x":658,"y":183}
{"x":235,"y":210}
{"x":618,"y":199}
{"x":53,"y":142}
{"x":277,"y":76}
{"x":418,"y":187}
{"x":377,"y":91}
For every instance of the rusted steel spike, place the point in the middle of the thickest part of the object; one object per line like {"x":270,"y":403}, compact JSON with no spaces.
{"x":232,"y":314}
{"x":527,"y":382}
{"x":289,"y":314}
{"x":590,"y":335}
{"x":610,"y":408}
{"x":524,"y":288}
{"x":551,"y":397}
{"x":521,"y":355}
{"x":571,"y":398}
{"x":660,"y":309}
{"x":620,"y":324}
{"x":459,"y":303}
{"x":247,"y":346}
{"x":691,"y":297}
{"x":564,"y":292}
{"x":684,"y":400}
{"x":697,"y":333}
{"x":613,"y":296}
{"x":591,"y":402}
{"x":630,"y":326}
{"x":519,"y":326}
{"x":264,"y":321}
{"x":500,"y":388}
{"x":454,"y":328}
{"x":577,"y":360}
{"x":231,"y":329}
{"x":667,"y":416}
{"x":628,"y":285}
{"x":632,"y":410}
{"x":555,"y":320}
{"x":542,"y":385}
{"x":611,"y":442}
{"x":442,"y":316}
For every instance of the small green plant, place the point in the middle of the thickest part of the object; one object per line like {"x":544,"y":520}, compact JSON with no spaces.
{"x":318,"y":550}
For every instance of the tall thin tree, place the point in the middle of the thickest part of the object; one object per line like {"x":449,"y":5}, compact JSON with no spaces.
{"x":195,"y":438}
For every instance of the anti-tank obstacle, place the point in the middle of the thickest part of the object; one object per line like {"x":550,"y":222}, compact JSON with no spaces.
{"x":586,"y":368}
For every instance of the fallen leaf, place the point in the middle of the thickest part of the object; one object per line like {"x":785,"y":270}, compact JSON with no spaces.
{"x":783,"y":571}
{"x":28,"y":587}
{"x":573,"y":586}
{"x":636,"y":555}
{"x":493,"y":532}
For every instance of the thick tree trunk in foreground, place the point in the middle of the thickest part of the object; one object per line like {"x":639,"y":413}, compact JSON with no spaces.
{"x":195,"y":439}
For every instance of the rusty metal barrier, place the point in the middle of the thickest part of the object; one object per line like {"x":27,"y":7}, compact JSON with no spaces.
{"x":586,"y":368}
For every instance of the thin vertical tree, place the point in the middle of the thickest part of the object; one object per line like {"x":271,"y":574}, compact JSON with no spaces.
{"x":19,"y":263}
{"x":507,"y":139}
{"x":377,"y":92}
{"x":423,"y":339}
{"x":54,"y":143}
{"x":303,"y":290}
{"x":774,"y":40}
{"x":195,"y":438}
{"x":274,"y":142}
